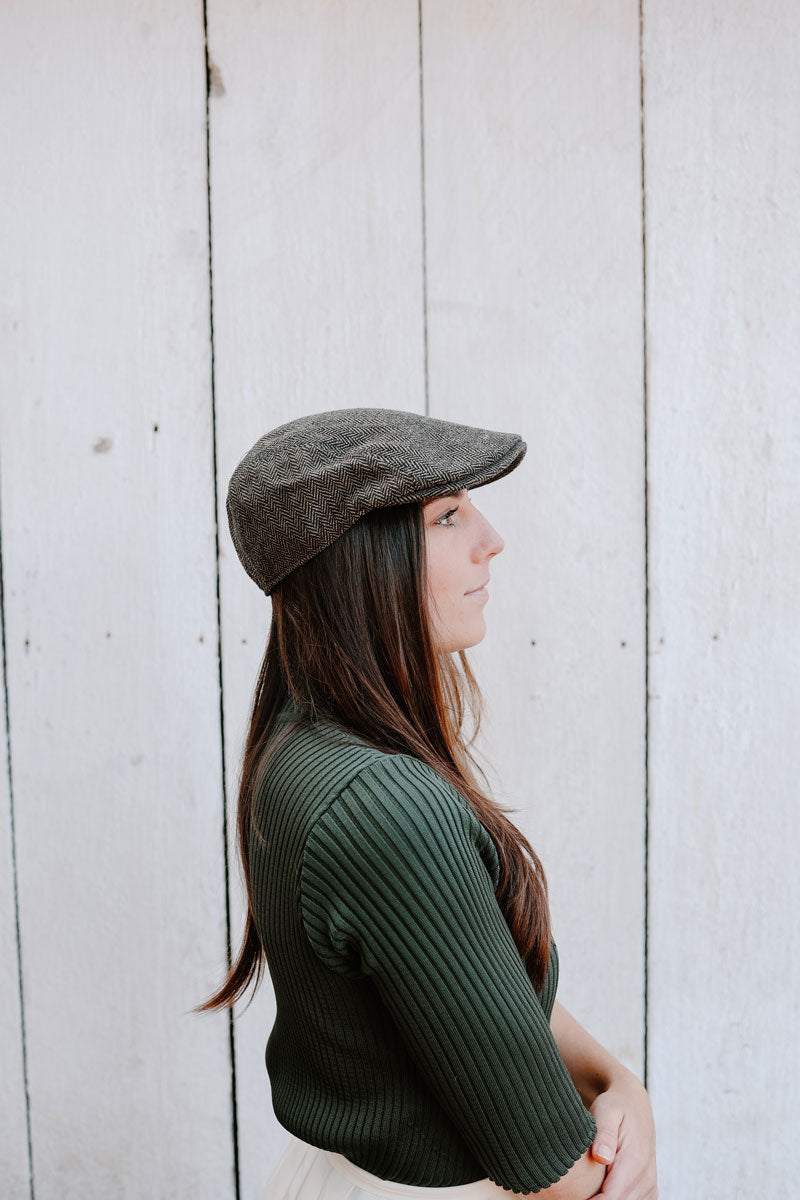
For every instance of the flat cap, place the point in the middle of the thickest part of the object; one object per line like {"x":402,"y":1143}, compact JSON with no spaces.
{"x":305,"y":483}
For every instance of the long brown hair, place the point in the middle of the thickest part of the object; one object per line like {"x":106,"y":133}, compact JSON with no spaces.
{"x":351,"y":644}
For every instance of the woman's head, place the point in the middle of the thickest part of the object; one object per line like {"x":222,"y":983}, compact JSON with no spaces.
{"x":302,"y":485}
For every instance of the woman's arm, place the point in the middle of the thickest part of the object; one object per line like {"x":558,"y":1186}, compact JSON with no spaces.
{"x":626,"y":1136}
{"x":592,"y":1068}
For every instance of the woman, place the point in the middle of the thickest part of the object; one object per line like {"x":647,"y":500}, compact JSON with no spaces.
{"x":418,"y":1049}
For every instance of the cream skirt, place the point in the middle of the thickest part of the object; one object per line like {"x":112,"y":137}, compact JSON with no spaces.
{"x":306,"y":1172}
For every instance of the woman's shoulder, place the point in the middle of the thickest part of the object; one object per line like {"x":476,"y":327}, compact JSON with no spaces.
{"x":345,"y":770}
{"x":300,"y":738}
{"x":408,"y":802}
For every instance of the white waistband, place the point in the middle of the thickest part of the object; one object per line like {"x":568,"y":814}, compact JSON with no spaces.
{"x":480,"y":1189}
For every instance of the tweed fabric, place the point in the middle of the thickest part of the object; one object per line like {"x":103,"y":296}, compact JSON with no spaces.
{"x":306,"y":482}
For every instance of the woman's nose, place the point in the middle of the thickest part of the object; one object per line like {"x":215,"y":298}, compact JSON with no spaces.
{"x":493,"y":542}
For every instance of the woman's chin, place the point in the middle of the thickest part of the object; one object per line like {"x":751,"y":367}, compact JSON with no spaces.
{"x":474,"y":633}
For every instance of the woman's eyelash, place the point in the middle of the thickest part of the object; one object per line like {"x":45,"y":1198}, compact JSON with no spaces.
{"x":444,"y":517}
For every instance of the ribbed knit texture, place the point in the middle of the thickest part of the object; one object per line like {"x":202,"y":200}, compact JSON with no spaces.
{"x":408,"y":1036}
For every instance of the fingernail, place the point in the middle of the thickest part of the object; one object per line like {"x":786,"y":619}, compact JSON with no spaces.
{"x":604,"y":1151}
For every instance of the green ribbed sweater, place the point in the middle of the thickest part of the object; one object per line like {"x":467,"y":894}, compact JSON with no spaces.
{"x":408,"y":1036}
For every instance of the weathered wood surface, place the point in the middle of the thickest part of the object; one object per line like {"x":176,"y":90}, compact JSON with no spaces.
{"x":722,"y":129}
{"x":110,"y":604}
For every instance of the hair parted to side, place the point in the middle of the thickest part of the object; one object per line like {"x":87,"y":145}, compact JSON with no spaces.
{"x":350,"y":641}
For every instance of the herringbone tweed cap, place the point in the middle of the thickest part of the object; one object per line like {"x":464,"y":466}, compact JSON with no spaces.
{"x":304,"y":483}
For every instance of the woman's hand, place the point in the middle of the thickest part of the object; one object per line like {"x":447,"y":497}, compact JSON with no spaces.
{"x":626,"y":1139}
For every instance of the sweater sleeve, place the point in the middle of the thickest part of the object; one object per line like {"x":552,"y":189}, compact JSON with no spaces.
{"x":397,"y":884}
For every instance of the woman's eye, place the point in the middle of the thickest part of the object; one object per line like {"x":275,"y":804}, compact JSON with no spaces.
{"x":443,"y":518}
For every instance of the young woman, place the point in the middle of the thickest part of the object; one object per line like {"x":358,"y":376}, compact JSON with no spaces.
{"x":418,"y":1049}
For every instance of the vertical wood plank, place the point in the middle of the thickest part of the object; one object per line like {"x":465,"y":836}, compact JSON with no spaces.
{"x":109,"y":560}
{"x":14,"y":1167}
{"x":317,"y":269}
{"x":722,"y":127}
{"x":534,"y":283}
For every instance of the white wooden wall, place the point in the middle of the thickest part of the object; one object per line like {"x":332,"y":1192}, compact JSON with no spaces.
{"x":580,"y":222}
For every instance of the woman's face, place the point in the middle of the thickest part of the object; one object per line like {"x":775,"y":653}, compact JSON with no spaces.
{"x":460,"y":542}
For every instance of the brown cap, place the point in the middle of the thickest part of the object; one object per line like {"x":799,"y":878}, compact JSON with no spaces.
{"x":305,"y":483}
